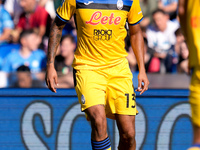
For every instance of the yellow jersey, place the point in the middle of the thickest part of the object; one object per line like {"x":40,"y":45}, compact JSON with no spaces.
{"x":100,"y":29}
{"x":193,"y":32}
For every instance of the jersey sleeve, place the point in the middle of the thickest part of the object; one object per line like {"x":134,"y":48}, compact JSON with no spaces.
{"x":66,"y":10}
{"x":7,"y":21}
{"x":135,"y":14}
{"x":6,"y":66}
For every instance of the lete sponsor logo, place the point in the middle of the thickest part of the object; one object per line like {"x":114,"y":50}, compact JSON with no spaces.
{"x":97,"y":18}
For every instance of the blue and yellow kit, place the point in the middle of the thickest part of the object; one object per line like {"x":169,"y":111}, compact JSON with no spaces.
{"x":193,"y":41}
{"x":102,"y":73}
{"x":100,"y":29}
{"x":193,"y":32}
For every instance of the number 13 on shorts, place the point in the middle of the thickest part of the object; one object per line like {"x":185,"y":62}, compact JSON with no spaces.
{"x":128,"y":98}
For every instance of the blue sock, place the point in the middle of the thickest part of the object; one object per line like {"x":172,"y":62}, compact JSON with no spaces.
{"x":196,"y":145}
{"x":101,"y":145}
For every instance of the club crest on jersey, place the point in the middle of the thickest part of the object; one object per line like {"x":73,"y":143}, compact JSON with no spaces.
{"x":119,"y":4}
{"x":83,"y":99}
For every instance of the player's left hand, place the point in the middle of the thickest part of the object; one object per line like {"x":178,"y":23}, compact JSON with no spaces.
{"x":143,"y":82}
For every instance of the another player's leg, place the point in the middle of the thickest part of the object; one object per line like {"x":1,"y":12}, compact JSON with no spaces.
{"x":196,"y":134}
{"x":99,"y":136}
{"x":196,"y":139}
{"x":126,"y":126}
{"x":195,"y":107}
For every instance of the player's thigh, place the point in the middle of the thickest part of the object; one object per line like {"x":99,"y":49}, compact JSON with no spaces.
{"x":126,"y":125}
{"x":121,"y":96}
{"x":90,"y":88}
{"x":195,"y":96}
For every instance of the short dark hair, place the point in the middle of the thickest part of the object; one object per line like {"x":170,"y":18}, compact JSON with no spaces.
{"x":178,"y":32}
{"x":159,"y":11}
{"x":23,"y":68}
{"x":25,"y":33}
{"x":68,"y":36}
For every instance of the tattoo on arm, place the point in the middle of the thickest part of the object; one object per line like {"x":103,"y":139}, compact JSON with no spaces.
{"x":54,"y":39}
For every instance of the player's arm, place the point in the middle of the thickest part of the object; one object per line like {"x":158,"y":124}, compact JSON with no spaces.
{"x":54,"y":41}
{"x":182,"y":11}
{"x":137,"y":44}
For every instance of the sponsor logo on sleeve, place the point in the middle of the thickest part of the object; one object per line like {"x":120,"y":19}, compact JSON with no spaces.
{"x":195,"y":22}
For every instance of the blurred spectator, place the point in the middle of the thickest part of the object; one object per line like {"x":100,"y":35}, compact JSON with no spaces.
{"x":161,"y":38}
{"x":132,"y":60}
{"x":147,"y":58}
{"x":27,"y":54}
{"x":6,"y":24}
{"x":49,"y":6}
{"x":24,"y":79}
{"x":169,"y":6}
{"x":5,"y":50}
{"x":57,"y":3}
{"x":15,"y":10}
{"x":70,"y":28}
{"x":147,"y":6}
{"x":183,"y":65}
{"x":34,"y":17}
{"x":179,"y":39}
{"x":64,"y":61}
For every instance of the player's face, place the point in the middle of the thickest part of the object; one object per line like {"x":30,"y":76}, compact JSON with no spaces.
{"x":24,"y":79}
{"x":160,"y":20}
{"x":180,"y":38}
{"x":27,"y":5}
{"x":32,"y":42}
{"x":67,"y":47}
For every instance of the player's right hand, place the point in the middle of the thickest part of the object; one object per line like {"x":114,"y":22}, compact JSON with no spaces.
{"x":51,"y":78}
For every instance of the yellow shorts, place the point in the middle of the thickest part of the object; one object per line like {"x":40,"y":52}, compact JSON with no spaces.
{"x":195,"y":96}
{"x":111,"y":87}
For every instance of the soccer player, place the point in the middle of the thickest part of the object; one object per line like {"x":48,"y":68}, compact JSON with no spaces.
{"x":189,"y":13}
{"x":103,"y":80}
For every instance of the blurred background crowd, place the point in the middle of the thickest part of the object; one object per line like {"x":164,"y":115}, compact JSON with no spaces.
{"x":24,"y":31}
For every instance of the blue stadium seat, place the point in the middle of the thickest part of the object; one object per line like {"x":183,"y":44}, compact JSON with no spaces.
{"x":5,"y":50}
